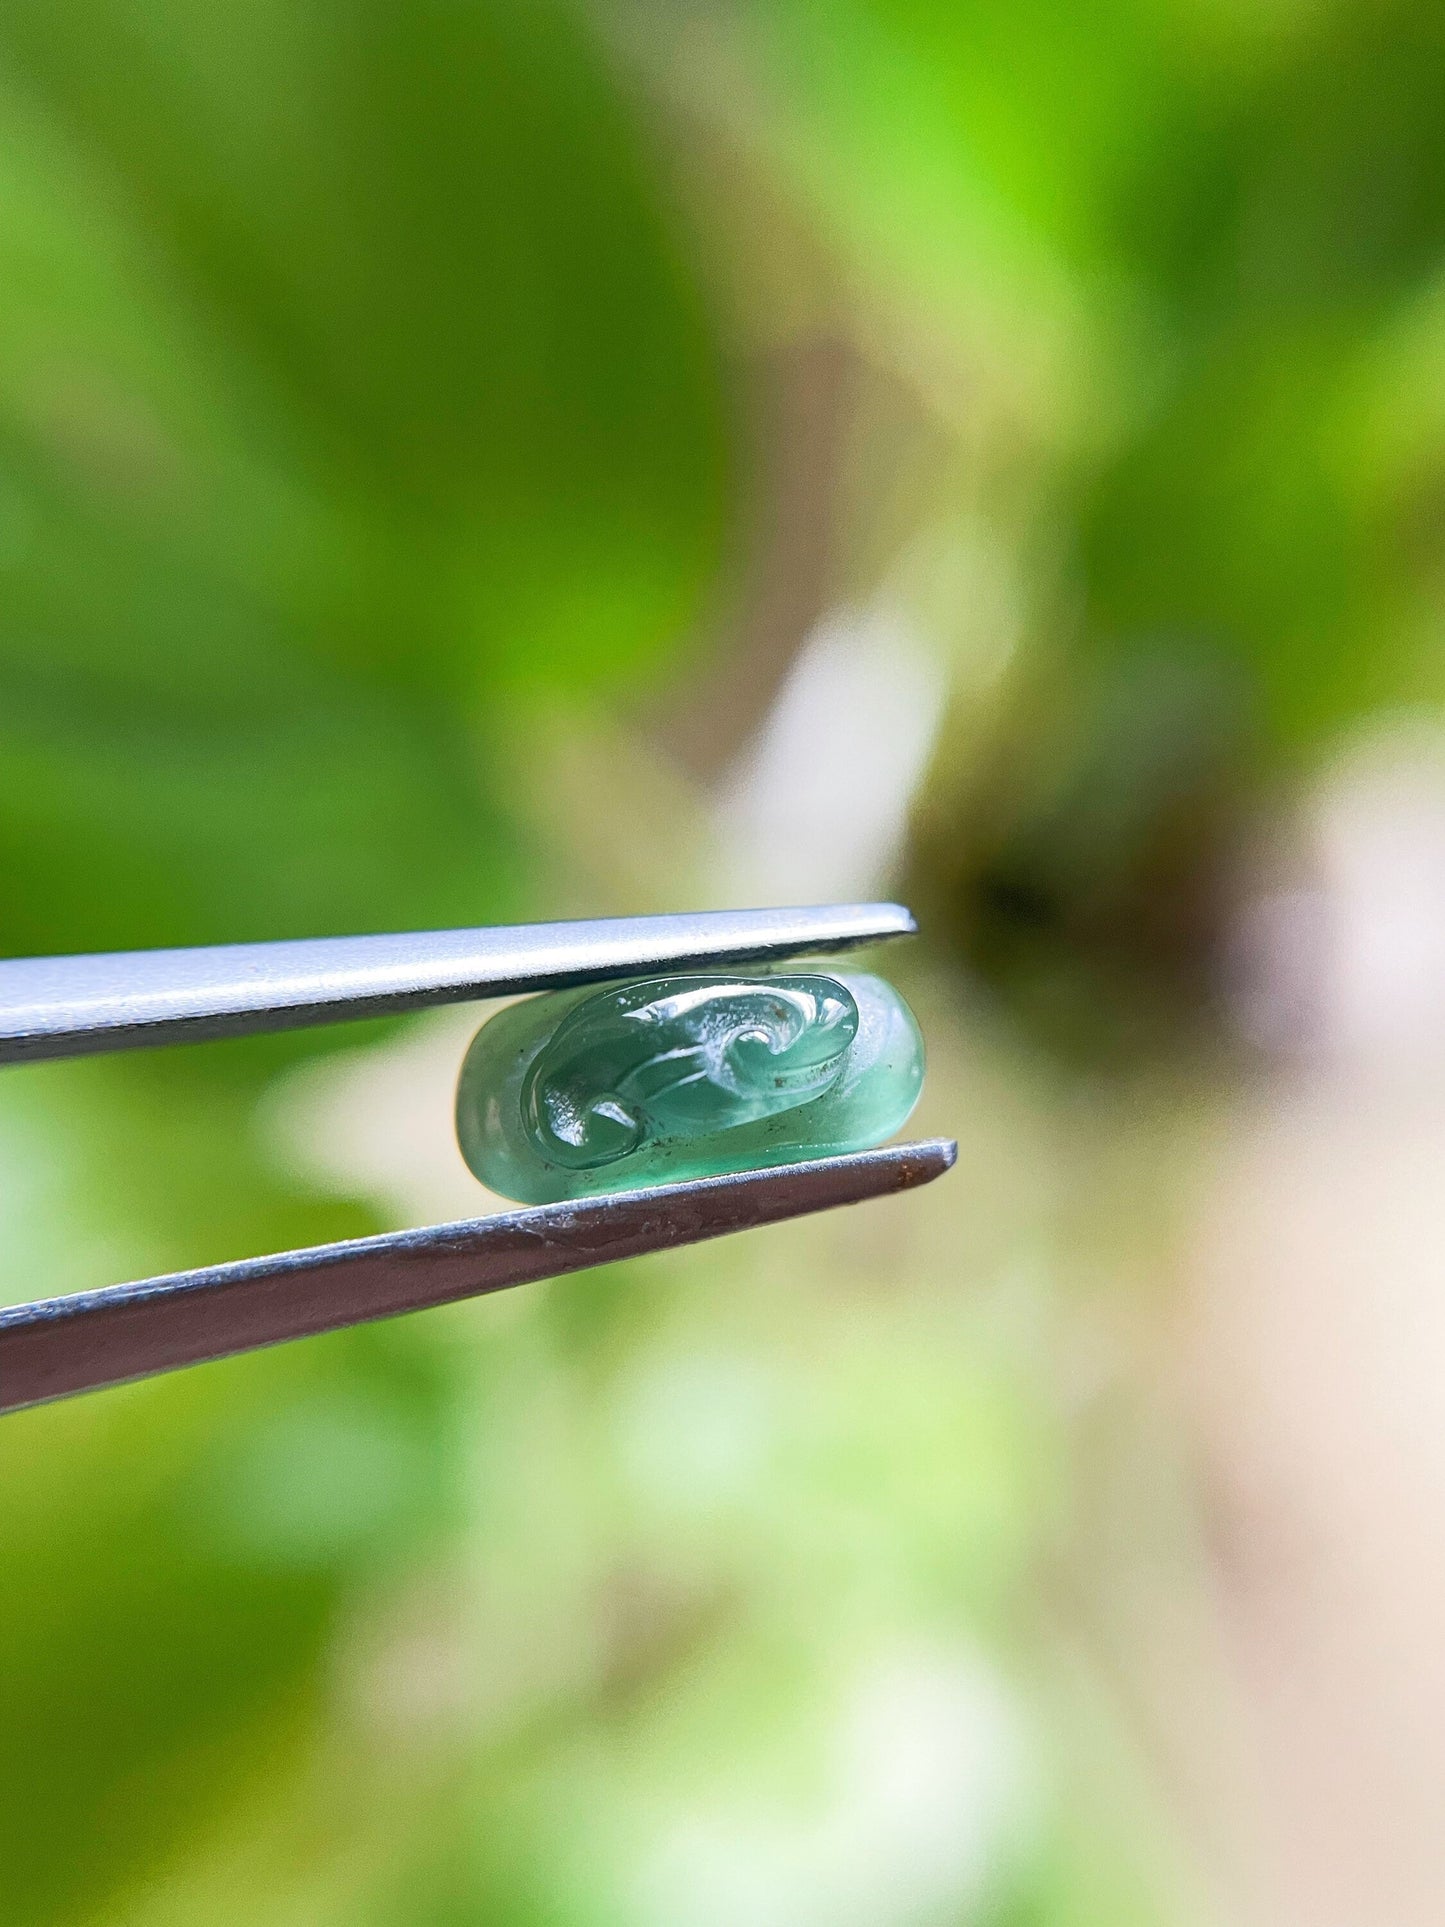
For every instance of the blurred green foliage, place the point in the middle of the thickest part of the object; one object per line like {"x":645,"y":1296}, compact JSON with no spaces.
{"x":307,"y":449}
{"x":351,"y":381}
{"x":368,"y":387}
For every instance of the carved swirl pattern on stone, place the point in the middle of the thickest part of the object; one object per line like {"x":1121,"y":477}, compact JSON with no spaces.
{"x":679,"y":1077}
{"x":678,"y":1057}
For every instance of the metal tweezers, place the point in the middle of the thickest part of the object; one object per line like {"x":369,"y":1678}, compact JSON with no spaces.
{"x":77,"y":1006}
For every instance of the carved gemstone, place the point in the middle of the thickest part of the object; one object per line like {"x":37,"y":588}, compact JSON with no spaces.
{"x":683,"y":1077}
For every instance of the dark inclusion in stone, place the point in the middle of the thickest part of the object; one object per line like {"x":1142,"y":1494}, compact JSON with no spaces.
{"x":683,"y":1077}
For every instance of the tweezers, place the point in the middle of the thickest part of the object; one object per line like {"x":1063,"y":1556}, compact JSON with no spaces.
{"x":75,"y":1006}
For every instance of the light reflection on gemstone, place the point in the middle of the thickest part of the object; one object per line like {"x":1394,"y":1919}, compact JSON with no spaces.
{"x":680,"y":1077}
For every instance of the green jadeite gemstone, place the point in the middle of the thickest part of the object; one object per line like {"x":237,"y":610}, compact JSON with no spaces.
{"x":683,"y":1077}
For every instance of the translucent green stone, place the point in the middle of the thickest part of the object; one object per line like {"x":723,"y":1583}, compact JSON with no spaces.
{"x":683,"y":1077}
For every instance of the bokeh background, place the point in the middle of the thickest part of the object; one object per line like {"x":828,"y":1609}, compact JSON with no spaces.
{"x":465,"y":460}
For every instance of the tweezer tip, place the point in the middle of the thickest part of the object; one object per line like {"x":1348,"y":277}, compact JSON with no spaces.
{"x":924,"y":1159}
{"x":899,"y":918}
{"x":856,"y":1175}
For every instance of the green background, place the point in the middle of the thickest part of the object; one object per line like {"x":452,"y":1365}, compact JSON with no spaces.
{"x":405,"y":408}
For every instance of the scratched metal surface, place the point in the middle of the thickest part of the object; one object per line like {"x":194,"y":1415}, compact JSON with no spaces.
{"x":59,"y":1346}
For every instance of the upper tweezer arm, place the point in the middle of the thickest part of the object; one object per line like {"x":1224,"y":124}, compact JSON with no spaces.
{"x":76,"y":1006}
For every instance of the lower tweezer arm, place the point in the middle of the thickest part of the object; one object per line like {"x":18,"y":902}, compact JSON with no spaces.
{"x":62,"y":1345}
